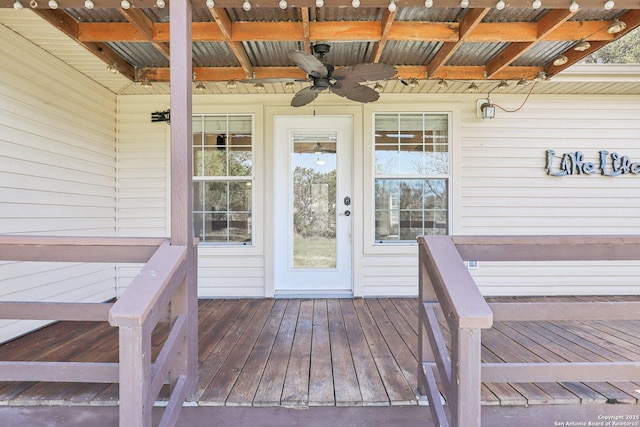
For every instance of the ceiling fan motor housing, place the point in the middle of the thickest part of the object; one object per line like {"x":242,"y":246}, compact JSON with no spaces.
{"x":320,"y":49}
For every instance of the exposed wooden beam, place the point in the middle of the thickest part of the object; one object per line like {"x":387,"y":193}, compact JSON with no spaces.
{"x":144,"y":25}
{"x":222,"y":19}
{"x":385,"y":24}
{"x":467,"y":25}
{"x":546,"y":25}
{"x":631,"y":18}
{"x":304,"y":12}
{"x":65,"y":23}
{"x":273,"y":4}
{"x":447,"y":32}
{"x":219,"y":74}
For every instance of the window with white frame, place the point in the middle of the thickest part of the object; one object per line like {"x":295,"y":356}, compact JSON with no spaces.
{"x":411,"y":175}
{"x":223,"y":179}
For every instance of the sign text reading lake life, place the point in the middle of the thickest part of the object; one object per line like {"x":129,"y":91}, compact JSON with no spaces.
{"x":610,"y":164}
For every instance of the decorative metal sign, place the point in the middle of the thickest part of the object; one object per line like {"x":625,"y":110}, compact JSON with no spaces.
{"x":609,"y":164}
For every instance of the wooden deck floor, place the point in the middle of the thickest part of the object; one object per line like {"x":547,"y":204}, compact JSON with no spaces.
{"x":328,"y":352}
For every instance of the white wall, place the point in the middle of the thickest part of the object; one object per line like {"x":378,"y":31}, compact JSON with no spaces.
{"x":57,"y":172}
{"x":498,"y":186}
{"x":504,"y":188}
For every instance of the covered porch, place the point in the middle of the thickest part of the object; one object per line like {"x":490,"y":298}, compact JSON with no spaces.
{"x":330,"y":362}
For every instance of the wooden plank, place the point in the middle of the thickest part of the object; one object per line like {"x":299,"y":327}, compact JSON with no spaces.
{"x":213,"y":330}
{"x":565,"y":311}
{"x":295,"y":391}
{"x":399,"y":389}
{"x":77,"y":249}
{"x":397,"y":345}
{"x":321,"y":375}
{"x":560,"y":372}
{"x":54,"y":311}
{"x":372,"y":389}
{"x":59,"y":371}
{"x":244,"y":389}
{"x":220,"y":386}
{"x":234,"y":326}
{"x":345,"y":380}
{"x":400,"y":324}
{"x":408,"y":308}
{"x":269,"y":391}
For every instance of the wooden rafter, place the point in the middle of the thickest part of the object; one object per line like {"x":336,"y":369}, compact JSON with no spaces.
{"x":305,"y":29}
{"x":447,"y":32}
{"x":469,"y":23}
{"x":631,"y":18}
{"x":224,"y":23}
{"x":404,"y":71}
{"x":518,"y":38}
{"x":144,"y":25}
{"x":385,"y":28}
{"x":549,"y":22}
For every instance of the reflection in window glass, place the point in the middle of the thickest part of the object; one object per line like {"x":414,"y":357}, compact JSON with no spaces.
{"x":223,"y":178}
{"x":411,"y":175}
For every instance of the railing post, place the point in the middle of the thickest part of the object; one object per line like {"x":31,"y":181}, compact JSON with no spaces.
{"x":185,"y":301}
{"x":426,"y":293}
{"x":466,"y":382}
{"x":135,"y":377}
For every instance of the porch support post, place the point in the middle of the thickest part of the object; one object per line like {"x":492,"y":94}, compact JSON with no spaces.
{"x":186,"y":299}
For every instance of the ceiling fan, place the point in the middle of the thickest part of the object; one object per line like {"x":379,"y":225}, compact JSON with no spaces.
{"x":344,"y":81}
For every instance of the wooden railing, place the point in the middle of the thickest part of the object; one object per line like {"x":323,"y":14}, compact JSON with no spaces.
{"x":163,"y":291}
{"x":449,"y":294}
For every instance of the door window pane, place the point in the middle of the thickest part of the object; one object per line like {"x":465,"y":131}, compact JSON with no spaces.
{"x":313,"y":169}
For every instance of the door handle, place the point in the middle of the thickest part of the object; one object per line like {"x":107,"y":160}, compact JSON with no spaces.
{"x":346,"y":213}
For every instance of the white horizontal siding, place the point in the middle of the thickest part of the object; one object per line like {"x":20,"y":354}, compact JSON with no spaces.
{"x":390,"y":275}
{"x":143,"y":168}
{"x":504,"y":189}
{"x":57,"y":173}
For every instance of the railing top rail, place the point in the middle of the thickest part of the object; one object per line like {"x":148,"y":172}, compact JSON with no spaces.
{"x":548,"y":248}
{"x":77,"y":249}
{"x":152,"y":289}
{"x":453,"y":284}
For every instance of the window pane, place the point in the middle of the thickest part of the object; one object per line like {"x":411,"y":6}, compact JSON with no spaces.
{"x":240,"y":196}
{"x":410,"y":160}
{"x":216,"y":196}
{"x":215,"y":161}
{"x":198,"y":197}
{"x":406,"y":208}
{"x":216,"y":227}
{"x":239,"y":227}
{"x":239,"y":161}
{"x":198,"y":224}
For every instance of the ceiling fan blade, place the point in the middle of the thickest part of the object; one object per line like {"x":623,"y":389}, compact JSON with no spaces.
{"x":305,"y":96}
{"x":354,"y":91}
{"x":308,"y":63}
{"x":365,"y":72}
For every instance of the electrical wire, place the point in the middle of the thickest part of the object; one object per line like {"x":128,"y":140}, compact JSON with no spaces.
{"x":521,"y":105}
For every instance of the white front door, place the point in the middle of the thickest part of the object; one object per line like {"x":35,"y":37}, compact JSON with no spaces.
{"x":313,"y":250}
